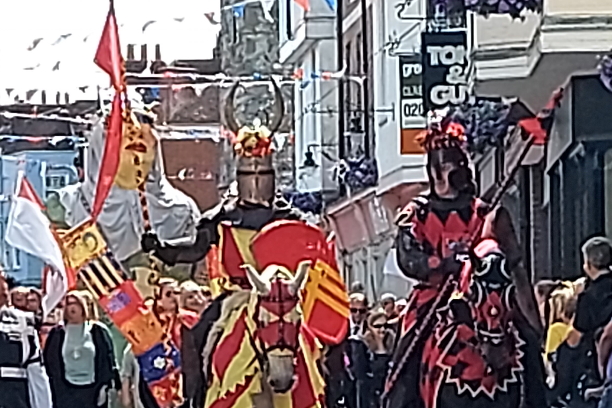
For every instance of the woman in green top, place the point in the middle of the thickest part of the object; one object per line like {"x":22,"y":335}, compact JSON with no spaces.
{"x":79,"y":357}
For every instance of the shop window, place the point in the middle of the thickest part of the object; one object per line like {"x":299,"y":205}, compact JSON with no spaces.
{"x":16,"y":255}
{"x":608,"y":191}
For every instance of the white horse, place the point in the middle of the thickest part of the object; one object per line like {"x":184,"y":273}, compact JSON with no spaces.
{"x":173,"y":214}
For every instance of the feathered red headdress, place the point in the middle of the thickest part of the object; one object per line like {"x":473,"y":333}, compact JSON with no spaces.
{"x":444,"y":134}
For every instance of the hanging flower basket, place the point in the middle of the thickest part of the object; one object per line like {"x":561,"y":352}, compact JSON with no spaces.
{"x":361,"y":174}
{"x":482,"y":123}
{"x":308,"y":202}
{"x":514,"y":8}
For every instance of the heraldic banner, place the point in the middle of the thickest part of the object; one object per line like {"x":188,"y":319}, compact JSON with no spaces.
{"x":88,"y":253}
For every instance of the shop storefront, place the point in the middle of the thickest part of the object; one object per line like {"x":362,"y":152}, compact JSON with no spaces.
{"x":578,"y":181}
{"x":498,"y":163}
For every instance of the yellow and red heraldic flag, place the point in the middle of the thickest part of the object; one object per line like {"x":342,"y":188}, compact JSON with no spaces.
{"x":158,"y":357}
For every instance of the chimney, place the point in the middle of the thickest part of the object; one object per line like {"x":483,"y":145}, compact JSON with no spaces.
{"x":130,"y":52}
{"x":143,"y":53}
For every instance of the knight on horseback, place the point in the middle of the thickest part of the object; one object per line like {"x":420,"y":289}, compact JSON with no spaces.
{"x":247,"y":208}
{"x":437,"y":235}
{"x":255,"y":347}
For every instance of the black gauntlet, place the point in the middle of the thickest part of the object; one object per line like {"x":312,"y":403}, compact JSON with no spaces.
{"x":412,"y":259}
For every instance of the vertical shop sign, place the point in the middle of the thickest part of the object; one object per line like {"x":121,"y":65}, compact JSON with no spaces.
{"x":446,"y":69}
{"x":411,"y":91}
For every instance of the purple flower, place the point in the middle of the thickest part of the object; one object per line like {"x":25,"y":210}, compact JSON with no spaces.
{"x":510,"y":7}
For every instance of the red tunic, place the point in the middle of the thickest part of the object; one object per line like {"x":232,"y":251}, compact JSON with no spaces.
{"x":438,"y":231}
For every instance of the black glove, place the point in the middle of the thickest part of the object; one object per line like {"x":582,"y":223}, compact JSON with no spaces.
{"x":451,"y":266}
{"x":149,"y":242}
{"x":462,"y":312}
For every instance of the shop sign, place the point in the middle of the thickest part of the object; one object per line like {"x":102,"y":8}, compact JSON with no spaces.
{"x":446,"y":69}
{"x":411,"y":91}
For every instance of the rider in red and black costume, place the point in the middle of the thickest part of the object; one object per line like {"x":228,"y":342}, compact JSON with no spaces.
{"x":435,"y":230}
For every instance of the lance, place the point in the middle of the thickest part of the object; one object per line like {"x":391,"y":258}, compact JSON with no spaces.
{"x":450,"y":283}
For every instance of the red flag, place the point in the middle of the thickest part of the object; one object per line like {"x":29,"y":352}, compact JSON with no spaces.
{"x":108,"y":56}
{"x":110,"y":159}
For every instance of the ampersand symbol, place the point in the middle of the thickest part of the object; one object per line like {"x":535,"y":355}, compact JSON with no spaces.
{"x":456,"y":75}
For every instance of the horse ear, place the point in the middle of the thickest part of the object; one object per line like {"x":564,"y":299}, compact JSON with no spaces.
{"x":301,"y":274}
{"x":262,"y":287}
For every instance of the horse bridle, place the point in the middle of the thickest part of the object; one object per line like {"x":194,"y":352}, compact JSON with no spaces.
{"x":261,"y":351}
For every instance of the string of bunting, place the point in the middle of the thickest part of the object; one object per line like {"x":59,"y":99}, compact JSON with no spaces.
{"x":298,"y":77}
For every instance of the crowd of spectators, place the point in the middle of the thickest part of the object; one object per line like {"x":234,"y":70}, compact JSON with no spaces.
{"x":78,"y":351}
{"x":79,"y":354}
{"x":356,"y":369}
{"x":578,"y":340}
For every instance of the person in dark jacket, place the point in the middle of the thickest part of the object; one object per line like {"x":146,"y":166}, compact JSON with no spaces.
{"x":79,"y":357}
{"x":577,"y":365}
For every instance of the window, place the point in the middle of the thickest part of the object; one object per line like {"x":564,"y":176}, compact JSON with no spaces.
{"x":315,"y":95}
{"x":358,"y":56}
{"x":358,"y":68}
{"x":16,"y":258}
{"x":347,"y":84}
{"x":7,"y":256}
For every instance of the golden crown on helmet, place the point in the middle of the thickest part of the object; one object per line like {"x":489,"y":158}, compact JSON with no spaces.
{"x":254,"y":140}
{"x":253,"y":145}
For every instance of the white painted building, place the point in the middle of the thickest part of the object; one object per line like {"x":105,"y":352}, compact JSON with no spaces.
{"x":526,"y":58}
{"x":365,"y":244}
{"x":308,"y":43}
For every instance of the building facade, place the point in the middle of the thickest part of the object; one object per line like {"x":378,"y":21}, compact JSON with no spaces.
{"x":538,"y":60}
{"x":361,"y":217}
{"x":525,"y":59}
{"x":577,"y":172}
{"x":47,"y":171}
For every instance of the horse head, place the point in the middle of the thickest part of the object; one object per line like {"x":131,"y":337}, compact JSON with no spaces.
{"x":492,"y":296}
{"x":278,"y":321}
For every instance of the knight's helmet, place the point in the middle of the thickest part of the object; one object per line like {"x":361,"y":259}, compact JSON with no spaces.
{"x":445,"y":142}
{"x":254,"y":170}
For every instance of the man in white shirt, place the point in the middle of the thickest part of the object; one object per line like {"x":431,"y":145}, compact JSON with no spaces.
{"x":358,"y":304}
